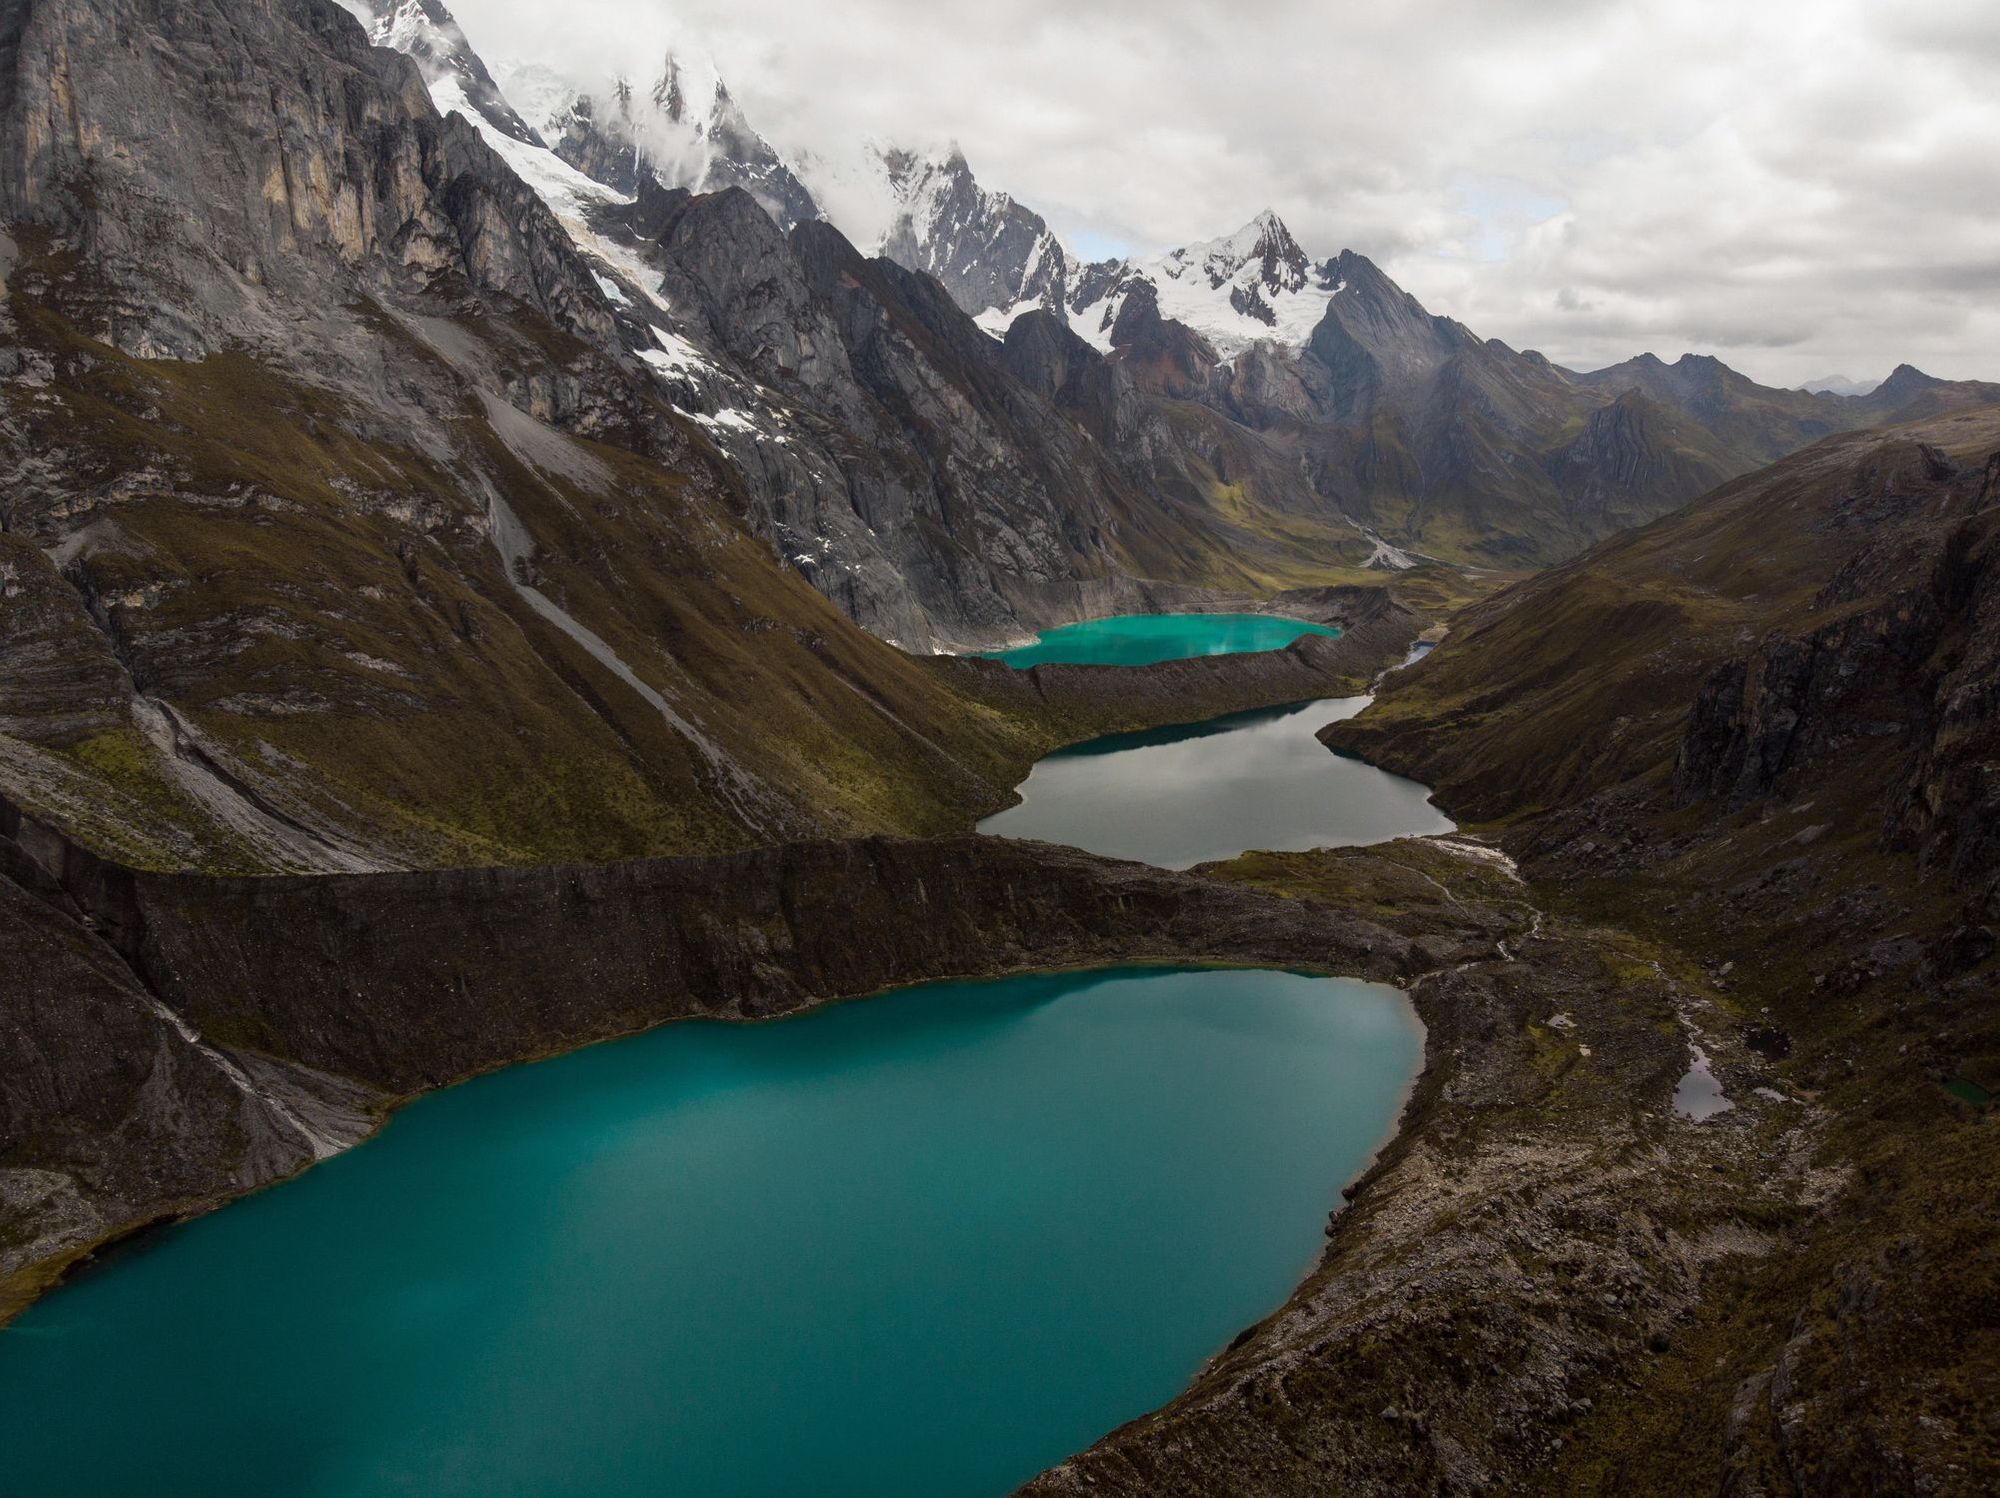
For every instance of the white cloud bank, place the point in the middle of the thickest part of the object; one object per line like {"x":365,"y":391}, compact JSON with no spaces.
{"x":1802,"y":187}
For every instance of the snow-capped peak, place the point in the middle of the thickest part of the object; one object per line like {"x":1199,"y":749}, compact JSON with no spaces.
{"x":1265,"y":243}
{"x":683,"y":128}
{"x":1254,"y":284}
{"x":428,"y":32}
{"x":925,"y":210}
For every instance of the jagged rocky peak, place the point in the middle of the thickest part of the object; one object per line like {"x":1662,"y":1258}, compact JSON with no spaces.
{"x":428,"y":32}
{"x":1254,"y":285}
{"x":1264,"y":248}
{"x":679,"y":127}
{"x":988,"y":251}
{"x":670,"y":93}
{"x":1905,"y":381}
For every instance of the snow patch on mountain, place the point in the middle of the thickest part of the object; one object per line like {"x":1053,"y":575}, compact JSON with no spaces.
{"x":567,"y":191}
{"x":684,"y":129}
{"x":427,"y":32}
{"x":572,"y":197}
{"x":923,"y":208}
{"x":1254,"y":284}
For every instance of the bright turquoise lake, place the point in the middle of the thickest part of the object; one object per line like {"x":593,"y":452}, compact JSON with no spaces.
{"x":925,"y":1244}
{"x":1175,"y":797}
{"x":1142,"y":639}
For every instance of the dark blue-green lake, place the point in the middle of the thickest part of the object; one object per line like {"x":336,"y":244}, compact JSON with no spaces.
{"x":1142,"y":639}
{"x":926,"y":1244}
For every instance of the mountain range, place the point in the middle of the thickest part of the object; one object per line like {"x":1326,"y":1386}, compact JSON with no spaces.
{"x":567,"y":519}
{"x":405,"y":447}
{"x":1330,"y":399}
{"x":386,"y":491}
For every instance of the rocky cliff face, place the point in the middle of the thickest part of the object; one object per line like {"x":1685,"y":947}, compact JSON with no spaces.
{"x":256,"y":182}
{"x":985,"y":249}
{"x":1908,"y":659}
{"x":369,"y":539}
{"x":900,"y":466}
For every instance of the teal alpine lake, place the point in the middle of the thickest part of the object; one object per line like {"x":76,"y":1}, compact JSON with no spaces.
{"x":1143,"y":639}
{"x":1176,"y":797}
{"x":925,"y":1244}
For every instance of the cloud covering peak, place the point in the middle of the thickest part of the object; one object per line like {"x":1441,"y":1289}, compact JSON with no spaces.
{"x":1796,"y":186}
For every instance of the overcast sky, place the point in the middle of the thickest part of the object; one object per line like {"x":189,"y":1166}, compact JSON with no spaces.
{"x":1803,"y":187}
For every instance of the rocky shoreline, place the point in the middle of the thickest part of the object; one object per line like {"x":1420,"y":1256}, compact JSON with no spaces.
{"x":182,"y":1038}
{"x":1518,"y":1258}
{"x":1539,"y":1221}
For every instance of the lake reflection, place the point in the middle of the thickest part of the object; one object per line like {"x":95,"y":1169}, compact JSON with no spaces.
{"x":1179,"y":796}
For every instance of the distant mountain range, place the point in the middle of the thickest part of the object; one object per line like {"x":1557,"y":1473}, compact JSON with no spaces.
{"x":1255,"y":388}
{"x":1839,"y":385}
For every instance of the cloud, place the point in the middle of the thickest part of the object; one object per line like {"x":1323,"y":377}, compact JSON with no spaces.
{"x":1796,"y":186}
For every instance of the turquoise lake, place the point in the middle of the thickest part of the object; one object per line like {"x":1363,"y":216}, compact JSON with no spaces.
{"x":1143,"y":639}
{"x":925,"y":1244}
{"x":1179,"y":796}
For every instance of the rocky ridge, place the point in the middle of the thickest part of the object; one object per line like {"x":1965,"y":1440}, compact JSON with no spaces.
{"x":1753,"y":732}
{"x":210,"y":1059}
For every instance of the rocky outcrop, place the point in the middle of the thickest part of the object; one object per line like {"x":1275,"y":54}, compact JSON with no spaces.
{"x":984,"y":248}
{"x":60,"y":677}
{"x":1045,"y":355}
{"x":114,"y":1112}
{"x":1948,"y":803}
{"x":1795,"y":699}
{"x":431,"y":34}
{"x":1163,"y":356}
{"x":1909,"y":660}
{"x":256,"y":181}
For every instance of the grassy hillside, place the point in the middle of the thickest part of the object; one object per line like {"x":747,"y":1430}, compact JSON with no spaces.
{"x":1758,"y":734}
{"x":311,"y":590}
{"x":256,"y":621}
